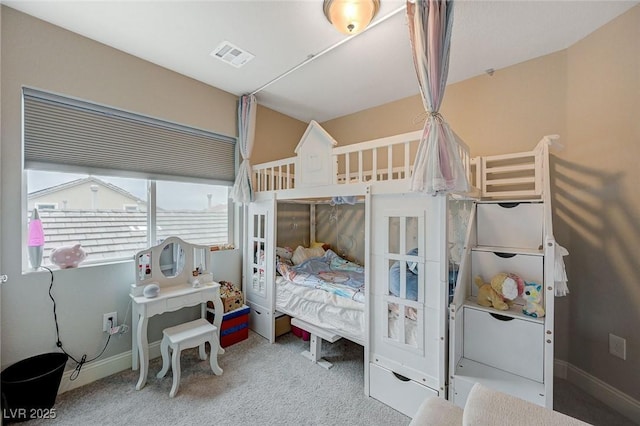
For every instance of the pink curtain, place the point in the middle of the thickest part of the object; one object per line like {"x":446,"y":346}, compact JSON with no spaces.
{"x":242,"y":192}
{"x":438,"y":166}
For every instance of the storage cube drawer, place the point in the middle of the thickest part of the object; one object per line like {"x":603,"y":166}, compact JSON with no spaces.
{"x":510,"y":225}
{"x":283,"y":324}
{"x":511,"y":344}
{"x":487,"y":264}
{"x":397,"y":391}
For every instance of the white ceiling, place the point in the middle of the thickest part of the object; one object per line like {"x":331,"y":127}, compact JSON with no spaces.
{"x":367,"y":70}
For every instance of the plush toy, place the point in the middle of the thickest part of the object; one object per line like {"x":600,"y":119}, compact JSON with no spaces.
{"x":284,"y":252}
{"x":509,"y":286}
{"x":488,"y":297}
{"x":533,"y":297}
{"x":67,"y":256}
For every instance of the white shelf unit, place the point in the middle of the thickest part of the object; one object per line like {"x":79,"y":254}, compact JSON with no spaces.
{"x":504,"y":350}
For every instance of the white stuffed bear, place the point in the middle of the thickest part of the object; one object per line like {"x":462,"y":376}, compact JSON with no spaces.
{"x":67,"y":256}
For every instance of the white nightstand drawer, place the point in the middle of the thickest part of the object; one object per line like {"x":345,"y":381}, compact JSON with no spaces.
{"x":511,"y":344}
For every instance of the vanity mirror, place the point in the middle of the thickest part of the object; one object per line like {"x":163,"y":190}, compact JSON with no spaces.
{"x":172,"y":259}
{"x":172,"y":262}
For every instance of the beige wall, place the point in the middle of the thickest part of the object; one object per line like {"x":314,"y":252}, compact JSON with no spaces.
{"x":486,"y":112}
{"x":589,"y":94}
{"x":598,"y":200}
{"x":277,"y":135}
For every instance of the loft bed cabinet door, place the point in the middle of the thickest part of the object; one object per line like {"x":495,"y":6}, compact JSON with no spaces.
{"x":260,"y":267}
{"x":408,"y":286}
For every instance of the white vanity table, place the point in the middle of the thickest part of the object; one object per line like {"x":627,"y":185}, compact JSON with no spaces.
{"x":169,"y":265}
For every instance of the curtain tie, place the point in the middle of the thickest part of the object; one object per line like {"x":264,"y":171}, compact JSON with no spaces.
{"x":424,"y":115}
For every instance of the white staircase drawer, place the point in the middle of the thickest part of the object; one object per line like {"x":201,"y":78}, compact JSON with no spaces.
{"x":397,"y":391}
{"x":510,"y":225}
{"x":510,"y":344}
{"x":487,"y":264}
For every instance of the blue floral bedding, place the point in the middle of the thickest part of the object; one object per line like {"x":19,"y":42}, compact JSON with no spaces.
{"x":329,"y":272}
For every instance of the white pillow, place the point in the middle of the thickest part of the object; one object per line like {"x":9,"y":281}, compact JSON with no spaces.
{"x":300,"y":254}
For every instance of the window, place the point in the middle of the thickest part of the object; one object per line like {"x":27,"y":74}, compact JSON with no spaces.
{"x":136,"y":162}
{"x":46,"y":206}
{"x":93,"y":215}
{"x":197,"y":213}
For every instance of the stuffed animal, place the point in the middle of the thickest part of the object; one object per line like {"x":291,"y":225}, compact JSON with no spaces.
{"x":532,"y":296}
{"x":488,"y":297}
{"x":284,"y":252}
{"x":67,"y":256}
{"x":509,"y":286}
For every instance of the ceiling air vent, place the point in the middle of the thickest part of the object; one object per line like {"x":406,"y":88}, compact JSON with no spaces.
{"x":232,"y":54}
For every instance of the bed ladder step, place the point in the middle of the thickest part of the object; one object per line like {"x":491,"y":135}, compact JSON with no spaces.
{"x":314,"y":354}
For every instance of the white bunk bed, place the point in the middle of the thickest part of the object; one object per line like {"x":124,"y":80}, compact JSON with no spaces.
{"x":404,"y":327}
{"x":404,"y":354}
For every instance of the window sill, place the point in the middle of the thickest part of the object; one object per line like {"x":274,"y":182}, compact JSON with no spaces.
{"x":81,"y":266}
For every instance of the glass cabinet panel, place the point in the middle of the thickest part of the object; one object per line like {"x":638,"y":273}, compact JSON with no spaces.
{"x":404,"y":298}
{"x":258,"y":278}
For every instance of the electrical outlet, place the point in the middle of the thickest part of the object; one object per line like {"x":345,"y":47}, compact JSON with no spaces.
{"x":109,"y":320}
{"x":617,"y":346}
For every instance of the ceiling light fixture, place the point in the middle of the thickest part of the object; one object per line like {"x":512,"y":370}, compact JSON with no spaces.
{"x":350,"y":16}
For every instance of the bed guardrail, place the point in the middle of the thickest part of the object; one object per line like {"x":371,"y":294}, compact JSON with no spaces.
{"x":517,"y":175}
{"x":274,"y":175}
{"x":379,"y":160}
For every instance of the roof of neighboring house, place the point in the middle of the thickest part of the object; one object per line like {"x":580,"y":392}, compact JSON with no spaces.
{"x":77,"y":182}
{"x":108,"y":234}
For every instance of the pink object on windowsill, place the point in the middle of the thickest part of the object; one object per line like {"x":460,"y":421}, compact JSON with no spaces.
{"x":35,"y":240}
{"x":36,"y":233}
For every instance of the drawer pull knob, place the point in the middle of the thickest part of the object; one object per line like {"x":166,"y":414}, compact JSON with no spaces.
{"x":501,"y":317}
{"x":401,"y":377}
{"x":508,"y":205}
{"x":504,"y":255}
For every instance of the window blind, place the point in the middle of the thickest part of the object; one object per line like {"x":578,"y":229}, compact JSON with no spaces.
{"x":70,"y":132}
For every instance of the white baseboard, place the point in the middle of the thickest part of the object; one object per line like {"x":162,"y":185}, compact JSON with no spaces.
{"x":103,"y":368}
{"x":619,"y":401}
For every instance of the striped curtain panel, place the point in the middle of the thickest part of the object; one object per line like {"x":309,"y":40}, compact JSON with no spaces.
{"x":438,"y":166}
{"x":242,"y":191}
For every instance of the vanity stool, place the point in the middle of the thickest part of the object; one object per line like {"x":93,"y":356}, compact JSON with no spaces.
{"x":185,"y":336}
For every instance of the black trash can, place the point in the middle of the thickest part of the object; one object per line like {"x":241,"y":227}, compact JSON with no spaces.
{"x":29,"y":387}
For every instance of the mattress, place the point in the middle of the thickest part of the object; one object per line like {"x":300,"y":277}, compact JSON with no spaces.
{"x":340,"y":315}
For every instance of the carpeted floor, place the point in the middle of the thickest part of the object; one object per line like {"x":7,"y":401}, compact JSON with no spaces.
{"x":263,"y":384}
